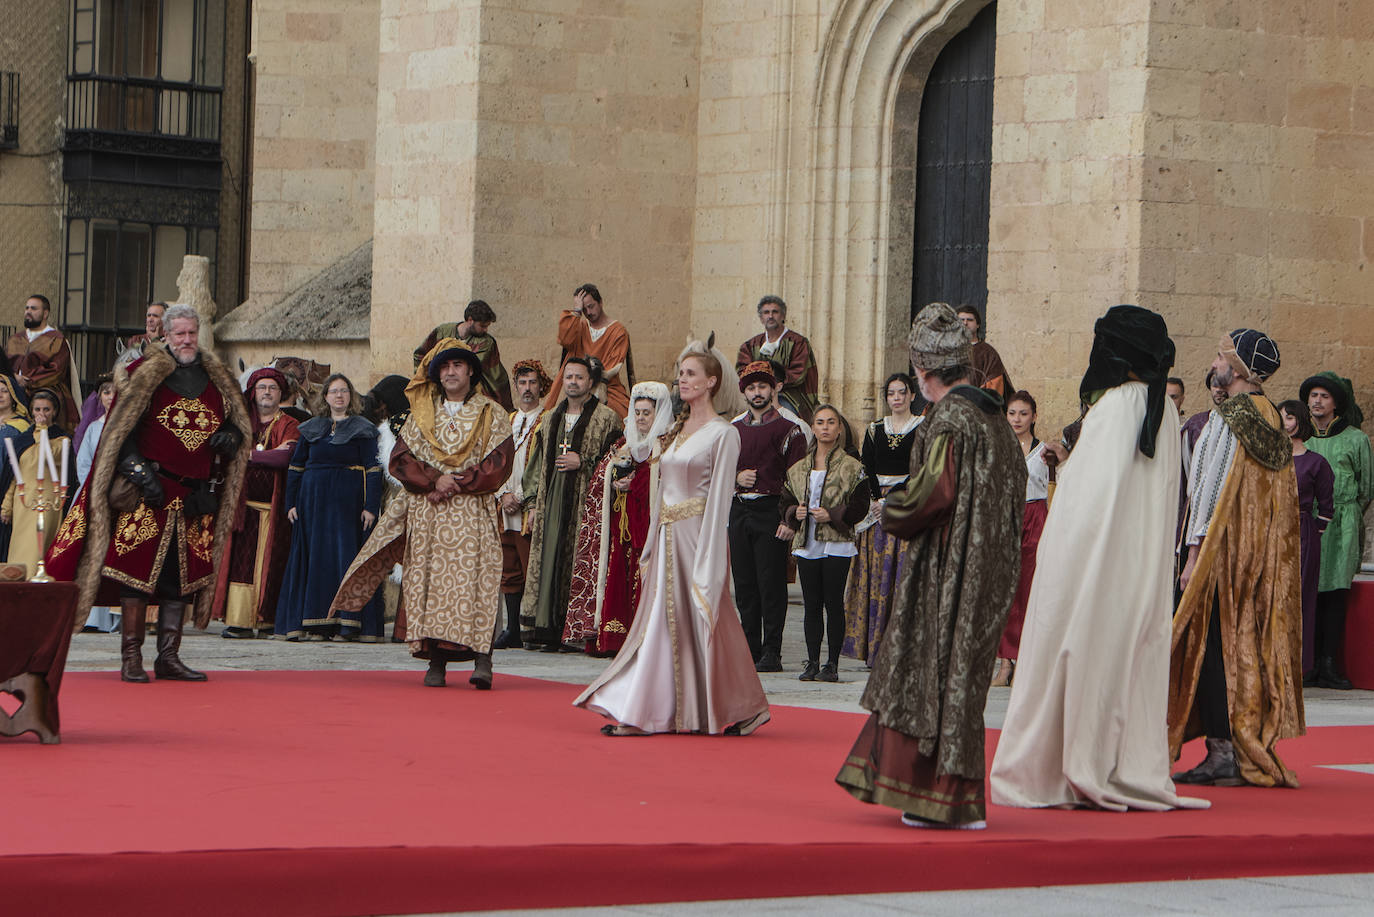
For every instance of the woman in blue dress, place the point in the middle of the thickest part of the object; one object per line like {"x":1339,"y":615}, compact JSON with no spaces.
{"x":333,"y":492}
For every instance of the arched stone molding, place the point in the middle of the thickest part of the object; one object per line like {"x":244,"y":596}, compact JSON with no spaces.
{"x":857,"y":272}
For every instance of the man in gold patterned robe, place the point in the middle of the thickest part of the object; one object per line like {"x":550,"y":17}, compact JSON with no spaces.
{"x":453,"y":454}
{"x":175,"y":441}
{"x":1236,"y":664}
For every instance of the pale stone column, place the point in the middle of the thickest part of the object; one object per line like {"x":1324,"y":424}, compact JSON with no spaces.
{"x":193,"y":289}
{"x":426,"y":149}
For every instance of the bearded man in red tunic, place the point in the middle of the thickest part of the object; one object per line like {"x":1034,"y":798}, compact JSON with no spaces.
{"x":149,"y":523}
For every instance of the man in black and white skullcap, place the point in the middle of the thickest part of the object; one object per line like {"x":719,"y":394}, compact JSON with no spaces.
{"x":1236,"y":666}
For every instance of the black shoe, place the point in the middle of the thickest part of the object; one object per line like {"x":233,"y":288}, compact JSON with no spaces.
{"x":768,"y":662}
{"x":1217,"y":769}
{"x":551,"y":648}
{"x":435,"y":676}
{"x":829,"y":672}
{"x":810,"y":672}
{"x":481,"y":673}
{"x":507,"y":641}
{"x":1309,"y":678}
{"x":1328,"y":676}
{"x":237,"y":633}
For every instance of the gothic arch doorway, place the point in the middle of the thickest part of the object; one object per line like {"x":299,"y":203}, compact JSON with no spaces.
{"x":954,"y":170}
{"x":859,"y":218}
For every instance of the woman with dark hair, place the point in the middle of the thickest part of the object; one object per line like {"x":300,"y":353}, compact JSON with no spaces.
{"x":45,"y":407}
{"x":823,"y":497}
{"x":14,"y":423}
{"x":1316,"y":485}
{"x":686,"y":665}
{"x":333,"y":495}
{"x":1021,"y":415}
{"x":879,"y":557}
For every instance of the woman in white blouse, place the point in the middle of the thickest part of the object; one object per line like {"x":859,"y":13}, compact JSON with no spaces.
{"x":1021,"y":416}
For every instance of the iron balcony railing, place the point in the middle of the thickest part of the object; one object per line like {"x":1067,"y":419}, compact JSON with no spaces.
{"x":135,"y":105}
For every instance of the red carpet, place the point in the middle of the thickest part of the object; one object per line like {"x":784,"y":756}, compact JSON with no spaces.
{"x":363,"y":793}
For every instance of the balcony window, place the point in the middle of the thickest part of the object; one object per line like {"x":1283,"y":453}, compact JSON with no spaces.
{"x":9,"y":110}
{"x":147,"y":66}
{"x":114,"y":269}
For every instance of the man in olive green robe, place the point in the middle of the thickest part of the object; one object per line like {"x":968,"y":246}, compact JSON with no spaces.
{"x":475,"y":331}
{"x":921,"y":751}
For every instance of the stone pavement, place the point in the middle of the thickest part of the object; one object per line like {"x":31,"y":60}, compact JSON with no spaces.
{"x":1331,"y":896}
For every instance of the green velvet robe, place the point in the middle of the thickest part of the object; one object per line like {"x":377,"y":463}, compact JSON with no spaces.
{"x":1348,"y":453}
{"x":961,"y":509}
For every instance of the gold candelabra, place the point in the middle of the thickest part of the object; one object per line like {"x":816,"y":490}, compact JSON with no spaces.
{"x":43,"y":503}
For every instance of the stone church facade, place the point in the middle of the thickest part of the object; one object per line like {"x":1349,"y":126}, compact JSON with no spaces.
{"x":1211,"y":159}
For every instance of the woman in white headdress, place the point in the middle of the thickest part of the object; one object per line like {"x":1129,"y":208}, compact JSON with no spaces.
{"x":605,"y":579}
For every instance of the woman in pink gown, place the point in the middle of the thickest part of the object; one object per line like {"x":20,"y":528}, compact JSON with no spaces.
{"x":686,"y":665}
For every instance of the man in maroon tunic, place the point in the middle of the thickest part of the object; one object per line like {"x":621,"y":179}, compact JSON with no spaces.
{"x":177,"y":432}
{"x":769,"y":445}
{"x":40,"y":358}
{"x":248,"y":585}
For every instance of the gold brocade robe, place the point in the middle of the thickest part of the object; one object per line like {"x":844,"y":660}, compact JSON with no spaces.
{"x":1248,"y":562}
{"x":450,"y":550}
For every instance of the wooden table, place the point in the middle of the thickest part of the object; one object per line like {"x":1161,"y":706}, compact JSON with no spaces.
{"x":35,"y":634}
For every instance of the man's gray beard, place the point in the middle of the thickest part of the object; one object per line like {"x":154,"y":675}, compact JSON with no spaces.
{"x":32,"y":323}
{"x":176,"y":355}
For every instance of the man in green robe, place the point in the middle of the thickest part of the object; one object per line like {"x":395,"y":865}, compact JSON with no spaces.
{"x":1336,"y":418}
{"x":567,"y":446}
{"x":921,"y":752}
{"x":475,"y":331}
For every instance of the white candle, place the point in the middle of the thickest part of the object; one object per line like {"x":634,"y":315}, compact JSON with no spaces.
{"x":42,"y":448}
{"x":14,"y":460}
{"x":52,"y":463}
{"x":66,"y":447}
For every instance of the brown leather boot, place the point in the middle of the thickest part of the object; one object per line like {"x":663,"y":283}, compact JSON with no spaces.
{"x":131,"y":630}
{"x":481,"y":672}
{"x":168,"y":664}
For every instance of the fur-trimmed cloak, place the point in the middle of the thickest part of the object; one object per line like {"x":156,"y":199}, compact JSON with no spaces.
{"x":134,"y":392}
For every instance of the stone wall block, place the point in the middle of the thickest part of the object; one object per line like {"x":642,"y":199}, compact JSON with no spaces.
{"x":1234,"y":230}
{"x":1327,"y":106}
{"x":1328,"y":237}
{"x":1345,"y":151}
{"x":1206,"y":273}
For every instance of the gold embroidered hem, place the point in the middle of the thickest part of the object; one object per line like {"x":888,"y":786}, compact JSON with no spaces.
{"x":887,"y":768}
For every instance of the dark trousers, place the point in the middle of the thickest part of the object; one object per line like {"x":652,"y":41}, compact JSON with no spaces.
{"x":1211,"y":686}
{"x":758,"y":564}
{"x":822,"y":585}
{"x":1331,"y":623}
